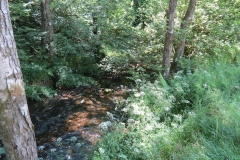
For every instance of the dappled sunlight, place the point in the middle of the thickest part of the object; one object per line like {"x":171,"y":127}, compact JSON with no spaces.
{"x":126,"y":80}
{"x":76,"y":113}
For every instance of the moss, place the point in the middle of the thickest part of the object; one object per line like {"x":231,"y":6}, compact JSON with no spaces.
{"x":1,"y":106}
{"x":16,"y":91}
{"x":1,"y":113}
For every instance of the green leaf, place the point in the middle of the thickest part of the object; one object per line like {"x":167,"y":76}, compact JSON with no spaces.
{"x":50,"y":73}
{"x":2,"y":150}
{"x":163,"y":82}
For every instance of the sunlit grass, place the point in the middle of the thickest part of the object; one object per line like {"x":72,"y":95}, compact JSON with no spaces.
{"x":195,"y":117}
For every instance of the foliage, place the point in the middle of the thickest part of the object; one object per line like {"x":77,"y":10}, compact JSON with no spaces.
{"x":95,"y":37}
{"x":2,"y":150}
{"x":194,"y":117}
{"x":68,"y":79}
{"x":75,"y":49}
{"x":37,"y":92}
{"x":191,"y":116}
{"x":214,"y":30}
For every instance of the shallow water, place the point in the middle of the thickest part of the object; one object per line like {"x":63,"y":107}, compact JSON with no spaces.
{"x":68,"y":125}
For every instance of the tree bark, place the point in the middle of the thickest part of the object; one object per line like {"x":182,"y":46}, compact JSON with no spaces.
{"x":47,"y":28}
{"x":43,"y":25}
{"x":16,"y":127}
{"x":168,"y":45}
{"x":184,"y":26}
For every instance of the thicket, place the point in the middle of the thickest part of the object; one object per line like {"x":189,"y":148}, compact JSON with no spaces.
{"x":98,"y":39}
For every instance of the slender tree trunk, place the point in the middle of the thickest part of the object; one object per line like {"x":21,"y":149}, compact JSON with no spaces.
{"x":168,"y":45}
{"x":43,"y":25}
{"x":184,"y":26}
{"x":95,"y":22}
{"x":47,"y":27}
{"x":50,"y":29}
{"x":16,"y":127}
{"x":96,"y":30}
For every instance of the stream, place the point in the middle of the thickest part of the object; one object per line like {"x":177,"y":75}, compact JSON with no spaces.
{"x":69,"y":125}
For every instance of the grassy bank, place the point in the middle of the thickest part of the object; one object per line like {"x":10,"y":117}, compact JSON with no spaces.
{"x":194,"y":116}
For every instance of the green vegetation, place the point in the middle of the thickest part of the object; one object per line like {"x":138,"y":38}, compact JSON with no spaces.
{"x":97,"y":38}
{"x":192,"y":115}
{"x":2,"y":150}
{"x":196,"y":116}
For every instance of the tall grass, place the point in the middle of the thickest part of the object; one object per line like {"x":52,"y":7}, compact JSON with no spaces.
{"x":195,"y":116}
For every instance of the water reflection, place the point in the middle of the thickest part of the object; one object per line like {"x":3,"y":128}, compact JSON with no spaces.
{"x":76,"y":113}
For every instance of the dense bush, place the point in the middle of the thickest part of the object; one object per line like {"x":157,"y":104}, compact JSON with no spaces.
{"x":95,"y":37}
{"x":76,"y":49}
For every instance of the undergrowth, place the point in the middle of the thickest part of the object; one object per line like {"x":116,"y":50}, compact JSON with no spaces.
{"x":194,"y":116}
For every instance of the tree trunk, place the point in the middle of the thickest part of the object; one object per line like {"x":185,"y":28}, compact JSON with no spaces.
{"x":43,"y":25}
{"x":169,"y":38}
{"x":16,"y":127}
{"x":47,"y":28}
{"x":95,"y":22}
{"x":184,"y":26}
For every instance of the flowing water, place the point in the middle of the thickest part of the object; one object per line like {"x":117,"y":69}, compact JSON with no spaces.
{"x":68,"y":126}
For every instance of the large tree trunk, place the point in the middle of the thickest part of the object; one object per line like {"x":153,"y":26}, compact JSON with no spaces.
{"x":184,"y":26}
{"x":16,"y":127}
{"x":47,"y":28}
{"x":168,"y":45}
